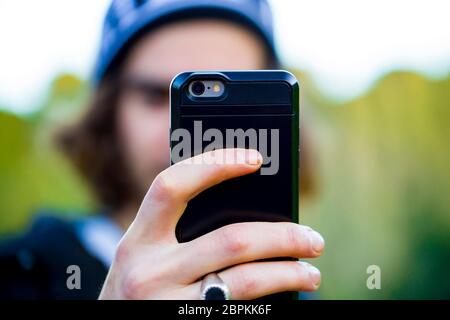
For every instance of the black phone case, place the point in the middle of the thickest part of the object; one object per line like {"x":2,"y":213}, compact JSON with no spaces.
{"x":252,"y":99}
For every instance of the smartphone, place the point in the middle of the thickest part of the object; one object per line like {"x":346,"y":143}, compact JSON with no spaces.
{"x":240,"y":109}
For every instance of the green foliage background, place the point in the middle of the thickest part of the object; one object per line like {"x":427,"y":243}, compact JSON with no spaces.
{"x":381,"y":163}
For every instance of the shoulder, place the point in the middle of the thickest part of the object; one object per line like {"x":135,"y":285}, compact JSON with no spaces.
{"x":48,"y":233}
{"x":36,"y":262}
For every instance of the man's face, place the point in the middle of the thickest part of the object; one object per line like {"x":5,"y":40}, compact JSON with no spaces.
{"x":143,"y":113}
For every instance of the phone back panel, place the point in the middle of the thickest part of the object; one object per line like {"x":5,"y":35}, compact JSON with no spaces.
{"x":263,"y":101}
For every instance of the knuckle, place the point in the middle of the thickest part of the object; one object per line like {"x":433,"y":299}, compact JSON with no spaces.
{"x":123,"y":252}
{"x":133,"y":285}
{"x":244,"y":284}
{"x":139,"y":277}
{"x":234,"y":240}
{"x":163,"y":187}
{"x":142,"y":282}
{"x":294,"y":241}
{"x":300,"y":274}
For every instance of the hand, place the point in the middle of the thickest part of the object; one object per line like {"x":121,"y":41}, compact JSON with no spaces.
{"x":151,"y":264}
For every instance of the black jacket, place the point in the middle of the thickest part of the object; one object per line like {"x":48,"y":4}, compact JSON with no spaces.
{"x":35,"y":264}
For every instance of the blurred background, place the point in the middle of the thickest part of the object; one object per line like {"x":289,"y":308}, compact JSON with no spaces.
{"x":375,"y":98}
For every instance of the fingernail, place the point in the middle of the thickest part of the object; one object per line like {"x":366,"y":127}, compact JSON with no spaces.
{"x":317,"y":242}
{"x":314,"y":275}
{"x":313,"y":272}
{"x":253,"y":157}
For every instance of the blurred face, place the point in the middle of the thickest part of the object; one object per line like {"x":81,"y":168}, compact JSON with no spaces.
{"x":143,"y":113}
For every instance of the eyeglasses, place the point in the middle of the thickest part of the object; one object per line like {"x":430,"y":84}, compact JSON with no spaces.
{"x":154,"y":93}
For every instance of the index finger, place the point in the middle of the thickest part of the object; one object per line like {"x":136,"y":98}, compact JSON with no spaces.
{"x":171,"y":190}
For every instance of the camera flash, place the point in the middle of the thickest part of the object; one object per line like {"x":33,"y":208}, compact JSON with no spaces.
{"x":216,"y":88}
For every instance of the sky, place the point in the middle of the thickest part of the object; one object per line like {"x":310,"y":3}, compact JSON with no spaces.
{"x":345,"y":45}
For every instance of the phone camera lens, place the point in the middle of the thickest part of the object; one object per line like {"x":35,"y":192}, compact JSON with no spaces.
{"x":198,"y":88}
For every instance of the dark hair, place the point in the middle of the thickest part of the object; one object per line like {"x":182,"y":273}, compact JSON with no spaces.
{"x":92,"y":146}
